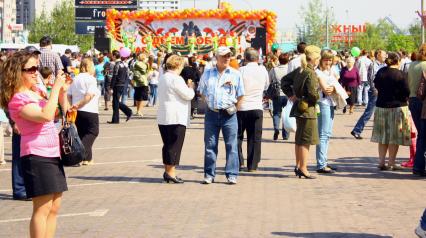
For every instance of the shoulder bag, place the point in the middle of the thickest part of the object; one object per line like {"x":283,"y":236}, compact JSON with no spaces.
{"x":72,"y":149}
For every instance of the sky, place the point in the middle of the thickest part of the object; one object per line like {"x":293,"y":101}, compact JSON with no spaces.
{"x":402,"y":12}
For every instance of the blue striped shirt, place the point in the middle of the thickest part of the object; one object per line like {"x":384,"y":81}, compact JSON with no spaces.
{"x":221,"y":92}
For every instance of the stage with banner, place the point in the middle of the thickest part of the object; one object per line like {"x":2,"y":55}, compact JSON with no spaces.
{"x":190,"y":31}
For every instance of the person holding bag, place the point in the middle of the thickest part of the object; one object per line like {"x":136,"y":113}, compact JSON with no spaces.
{"x":301,"y":85}
{"x":34,"y":115}
{"x":84,"y":95}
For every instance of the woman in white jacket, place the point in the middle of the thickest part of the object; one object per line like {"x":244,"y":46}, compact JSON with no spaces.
{"x":174,"y":97}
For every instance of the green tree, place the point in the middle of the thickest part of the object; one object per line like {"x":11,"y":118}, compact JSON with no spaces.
{"x":313,"y":28}
{"x":60,"y":25}
{"x":371,"y":39}
{"x":397,"y":42}
{"x":415,"y":30}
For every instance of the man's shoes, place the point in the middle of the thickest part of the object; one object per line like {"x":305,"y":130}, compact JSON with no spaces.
{"x":21,"y":198}
{"x":325,"y":170}
{"x":356,"y":135}
{"x":129,"y":116}
{"x":419,"y":173}
{"x":420,"y":232}
{"x":276,"y":133}
{"x":232,"y":180}
{"x":208,"y":180}
{"x":331,"y":167}
{"x":344,"y":110}
{"x":112,"y":122}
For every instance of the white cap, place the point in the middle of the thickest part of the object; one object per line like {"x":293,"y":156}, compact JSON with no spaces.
{"x":223,"y":50}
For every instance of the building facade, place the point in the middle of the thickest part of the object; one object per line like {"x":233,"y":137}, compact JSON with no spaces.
{"x":8,"y":20}
{"x":28,"y":10}
{"x":159,"y":5}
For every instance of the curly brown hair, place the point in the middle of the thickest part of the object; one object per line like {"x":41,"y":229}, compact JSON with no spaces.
{"x":10,"y":75}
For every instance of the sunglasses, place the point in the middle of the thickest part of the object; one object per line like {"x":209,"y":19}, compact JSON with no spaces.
{"x":31,"y":70}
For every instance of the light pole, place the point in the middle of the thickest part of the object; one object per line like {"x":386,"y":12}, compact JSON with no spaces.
{"x":349,"y":30}
{"x":327,"y":42}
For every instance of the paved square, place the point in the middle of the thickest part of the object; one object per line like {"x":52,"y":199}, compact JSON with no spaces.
{"x":123,"y":195}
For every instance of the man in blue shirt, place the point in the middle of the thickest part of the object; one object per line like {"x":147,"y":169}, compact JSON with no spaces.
{"x":222,"y":88}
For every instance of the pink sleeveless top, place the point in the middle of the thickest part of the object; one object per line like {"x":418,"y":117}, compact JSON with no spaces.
{"x":36,"y":138}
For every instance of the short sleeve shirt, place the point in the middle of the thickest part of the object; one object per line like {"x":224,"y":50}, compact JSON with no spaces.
{"x":221,"y":91}
{"x":36,"y":138}
{"x":83,"y":84}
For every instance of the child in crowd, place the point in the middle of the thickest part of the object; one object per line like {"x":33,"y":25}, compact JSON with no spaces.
{"x":410,"y":162}
{"x":48,"y":78}
{"x":153,"y":76}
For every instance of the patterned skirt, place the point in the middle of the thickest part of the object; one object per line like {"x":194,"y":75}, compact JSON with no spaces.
{"x":392,"y":126}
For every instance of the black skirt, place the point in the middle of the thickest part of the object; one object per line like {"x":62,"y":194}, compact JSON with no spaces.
{"x":43,"y":175}
{"x":141,"y":93}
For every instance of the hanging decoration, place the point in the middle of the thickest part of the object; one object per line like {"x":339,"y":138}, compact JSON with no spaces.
{"x":189,"y":30}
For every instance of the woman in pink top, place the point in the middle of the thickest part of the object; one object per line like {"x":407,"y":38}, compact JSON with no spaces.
{"x":33,"y":114}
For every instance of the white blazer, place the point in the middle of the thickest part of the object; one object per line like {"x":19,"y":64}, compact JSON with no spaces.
{"x":174,"y":99}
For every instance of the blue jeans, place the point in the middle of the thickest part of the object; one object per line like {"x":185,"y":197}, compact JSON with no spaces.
{"x":415,"y":106}
{"x":153,"y":96}
{"x":213,"y":123}
{"x":325,"y":129}
{"x":369,"y":110}
{"x":18,"y":184}
{"x":423,"y":220}
{"x":277,"y":108}
{"x":363,"y":90}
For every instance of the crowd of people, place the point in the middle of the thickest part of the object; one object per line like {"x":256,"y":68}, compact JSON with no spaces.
{"x":39,"y":87}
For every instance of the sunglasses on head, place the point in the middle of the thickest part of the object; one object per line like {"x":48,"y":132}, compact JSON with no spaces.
{"x":31,"y":70}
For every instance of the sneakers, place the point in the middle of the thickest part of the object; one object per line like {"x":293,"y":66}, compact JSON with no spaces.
{"x":356,"y":135}
{"x":208,"y":180}
{"x":232,"y":180}
{"x":420,"y":232}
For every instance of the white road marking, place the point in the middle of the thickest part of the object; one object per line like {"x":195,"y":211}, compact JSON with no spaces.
{"x":96,"y":213}
{"x":127,"y":147}
{"x":112,"y":137}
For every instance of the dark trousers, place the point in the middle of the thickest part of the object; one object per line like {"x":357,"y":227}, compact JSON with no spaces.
{"x":415,"y":105}
{"x":18,"y":184}
{"x":250,"y":121}
{"x":117,"y":105}
{"x":87,"y":124}
{"x":173,"y":137}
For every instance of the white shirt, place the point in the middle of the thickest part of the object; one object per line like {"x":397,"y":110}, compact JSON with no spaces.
{"x":362,"y":65}
{"x":295,"y":63}
{"x":330,"y":79}
{"x":153,"y":77}
{"x":256,"y":80}
{"x":83,"y":84}
{"x":174,"y":99}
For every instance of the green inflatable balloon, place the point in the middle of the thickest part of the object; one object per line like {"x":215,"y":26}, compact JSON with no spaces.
{"x":275,"y":46}
{"x":355,"y":51}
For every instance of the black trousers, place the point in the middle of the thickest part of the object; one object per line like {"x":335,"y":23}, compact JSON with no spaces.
{"x":87,"y":124}
{"x":117,"y":105}
{"x":173,"y":137}
{"x":250,"y":121}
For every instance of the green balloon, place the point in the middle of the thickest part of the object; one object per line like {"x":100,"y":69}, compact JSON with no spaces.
{"x":275,"y":46}
{"x":355,"y":51}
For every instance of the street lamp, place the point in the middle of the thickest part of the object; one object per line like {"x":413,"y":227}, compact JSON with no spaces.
{"x":327,"y":42}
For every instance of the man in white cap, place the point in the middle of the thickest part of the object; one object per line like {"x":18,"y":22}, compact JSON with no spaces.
{"x":222,"y":88}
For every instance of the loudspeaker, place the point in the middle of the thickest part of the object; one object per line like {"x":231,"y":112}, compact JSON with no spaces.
{"x":102,"y":44}
{"x":260,"y":40}
{"x":100,"y":32}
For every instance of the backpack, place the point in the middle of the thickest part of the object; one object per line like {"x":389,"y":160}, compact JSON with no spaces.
{"x":273,"y":90}
{"x":421,"y":91}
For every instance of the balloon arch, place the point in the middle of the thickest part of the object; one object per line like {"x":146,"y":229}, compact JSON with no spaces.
{"x":190,"y":30}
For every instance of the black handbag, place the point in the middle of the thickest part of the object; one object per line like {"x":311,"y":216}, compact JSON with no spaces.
{"x":274,"y":88}
{"x":72,"y":149}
